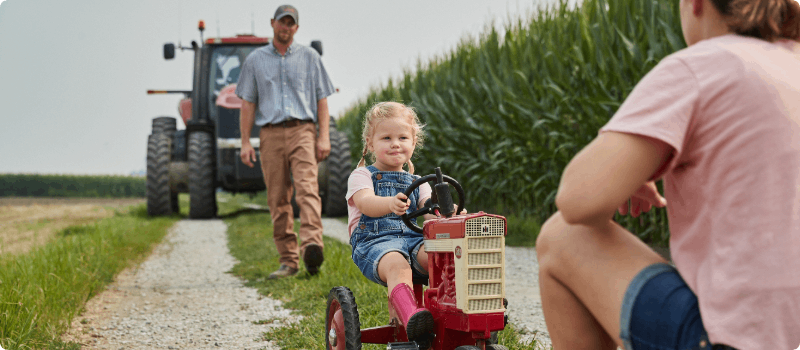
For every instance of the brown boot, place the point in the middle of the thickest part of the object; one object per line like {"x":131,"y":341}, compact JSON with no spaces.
{"x":417,"y":321}
{"x":283,"y":271}
{"x":313,"y":258}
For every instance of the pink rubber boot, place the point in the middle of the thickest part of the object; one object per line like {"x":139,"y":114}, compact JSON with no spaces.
{"x":417,"y":321}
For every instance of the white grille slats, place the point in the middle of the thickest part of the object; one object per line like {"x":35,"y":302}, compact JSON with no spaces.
{"x":485,"y":280}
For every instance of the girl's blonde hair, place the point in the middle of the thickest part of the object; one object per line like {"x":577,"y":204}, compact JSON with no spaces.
{"x":764,"y":19}
{"x":382,"y":111}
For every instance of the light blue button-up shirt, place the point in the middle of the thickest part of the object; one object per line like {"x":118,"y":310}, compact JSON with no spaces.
{"x":284,"y":87}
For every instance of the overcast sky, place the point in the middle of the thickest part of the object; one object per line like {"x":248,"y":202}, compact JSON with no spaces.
{"x":74,"y":74}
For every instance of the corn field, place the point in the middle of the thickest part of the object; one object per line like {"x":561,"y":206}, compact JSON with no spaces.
{"x":506,"y":112}
{"x":34,"y":185}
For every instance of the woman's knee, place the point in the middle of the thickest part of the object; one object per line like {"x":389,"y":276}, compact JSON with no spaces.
{"x":550,"y":235}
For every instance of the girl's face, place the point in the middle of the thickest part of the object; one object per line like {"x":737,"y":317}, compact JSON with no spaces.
{"x":392,"y":143}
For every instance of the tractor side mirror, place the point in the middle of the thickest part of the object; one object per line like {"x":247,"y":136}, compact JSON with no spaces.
{"x":317,"y":45}
{"x":169,"y":51}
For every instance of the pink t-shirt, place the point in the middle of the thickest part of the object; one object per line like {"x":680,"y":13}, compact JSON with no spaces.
{"x":730,"y":109}
{"x":360,"y":179}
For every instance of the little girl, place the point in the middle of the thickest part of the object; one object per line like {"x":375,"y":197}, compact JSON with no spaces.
{"x":384,"y":248}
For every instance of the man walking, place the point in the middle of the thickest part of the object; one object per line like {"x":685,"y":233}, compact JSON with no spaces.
{"x":284,"y":88}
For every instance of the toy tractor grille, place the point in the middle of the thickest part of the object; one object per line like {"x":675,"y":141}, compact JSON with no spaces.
{"x":485,"y":226}
{"x":485,"y":289}
{"x":484,"y":260}
{"x":485,"y":243}
{"x":486,"y":304}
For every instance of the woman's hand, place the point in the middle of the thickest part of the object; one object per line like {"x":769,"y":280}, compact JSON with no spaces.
{"x":399,"y":204}
{"x":644,"y":199}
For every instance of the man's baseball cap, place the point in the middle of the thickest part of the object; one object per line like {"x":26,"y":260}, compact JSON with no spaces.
{"x":287,"y":10}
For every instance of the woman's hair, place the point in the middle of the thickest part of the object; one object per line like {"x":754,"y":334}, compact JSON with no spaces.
{"x":382,"y":111}
{"x":764,"y":19}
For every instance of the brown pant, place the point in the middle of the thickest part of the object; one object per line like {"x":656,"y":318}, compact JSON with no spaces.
{"x":288,"y":153}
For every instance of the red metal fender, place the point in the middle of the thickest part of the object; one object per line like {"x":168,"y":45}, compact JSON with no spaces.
{"x":227,"y":98}
{"x":185,"y":109}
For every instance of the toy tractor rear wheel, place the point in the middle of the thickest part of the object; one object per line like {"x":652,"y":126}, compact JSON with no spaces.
{"x":202,"y":174}
{"x":342,"y":326}
{"x":468,"y":347}
{"x":496,"y":347}
{"x":159,"y":196}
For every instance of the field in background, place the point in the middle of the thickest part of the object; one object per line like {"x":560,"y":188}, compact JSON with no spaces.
{"x":505,"y":113}
{"x":37,"y":185}
{"x":28,"y":222}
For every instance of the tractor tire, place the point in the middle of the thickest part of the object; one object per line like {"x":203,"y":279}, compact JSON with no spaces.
{"x":159,"y":197}
{"x":496,"y":347}
{"x":341,"y":318}
{"x":468,"y":347}
{"x":202,"y":176}
{"x":164,"y":124}
{"x":336,"y":172}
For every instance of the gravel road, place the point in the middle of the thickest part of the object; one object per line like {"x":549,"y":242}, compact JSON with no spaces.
{"x":182,"y":297}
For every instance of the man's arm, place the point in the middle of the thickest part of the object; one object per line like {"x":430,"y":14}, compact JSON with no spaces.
{"x":324,"y":138}
{"x":246,"y":118}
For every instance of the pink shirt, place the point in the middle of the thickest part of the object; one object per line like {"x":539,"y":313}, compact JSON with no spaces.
{"x":730,"y":109}
{"x":360,"y":179}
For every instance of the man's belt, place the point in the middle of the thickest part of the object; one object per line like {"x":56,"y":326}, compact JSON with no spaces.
{"x":287,"y":123}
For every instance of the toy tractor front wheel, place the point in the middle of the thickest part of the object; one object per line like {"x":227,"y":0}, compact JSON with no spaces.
{"x":342,"y":326}
{"x":202,"y":176}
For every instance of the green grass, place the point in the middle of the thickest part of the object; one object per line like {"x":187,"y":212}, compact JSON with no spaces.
{"x":250,"y":242}
{"x":43,"y":290}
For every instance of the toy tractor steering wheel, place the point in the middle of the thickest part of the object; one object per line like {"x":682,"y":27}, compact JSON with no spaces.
{"x":441,"y":202}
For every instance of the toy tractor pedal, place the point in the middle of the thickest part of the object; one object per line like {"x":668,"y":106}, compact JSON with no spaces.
{"x":466,"y":293}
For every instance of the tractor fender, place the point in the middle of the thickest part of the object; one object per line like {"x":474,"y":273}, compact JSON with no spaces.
{"x":185,"y":109}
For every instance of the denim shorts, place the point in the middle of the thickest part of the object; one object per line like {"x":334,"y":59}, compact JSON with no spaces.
{"x":367,"y":254}
{"x":660,"y":312}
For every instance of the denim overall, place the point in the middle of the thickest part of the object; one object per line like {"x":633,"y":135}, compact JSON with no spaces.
{"x":374,"y":237}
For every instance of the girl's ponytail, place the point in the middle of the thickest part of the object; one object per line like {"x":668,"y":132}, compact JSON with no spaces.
{"x":764,"y":19}
{"x":410,"y":167}
{"x":363,"y":154}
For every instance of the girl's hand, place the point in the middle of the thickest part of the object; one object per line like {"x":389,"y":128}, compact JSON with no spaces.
{"x":644,"y":199}
{"x":399,"y":204}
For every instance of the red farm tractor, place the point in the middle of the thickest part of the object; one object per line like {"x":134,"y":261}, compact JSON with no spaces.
{"x":204,"y":157}
{"x":466,"y":293}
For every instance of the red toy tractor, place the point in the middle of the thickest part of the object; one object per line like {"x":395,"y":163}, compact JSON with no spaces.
{"x":466,"y":293}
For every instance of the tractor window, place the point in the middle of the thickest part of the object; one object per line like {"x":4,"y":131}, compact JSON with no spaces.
{"x":226,"y":64}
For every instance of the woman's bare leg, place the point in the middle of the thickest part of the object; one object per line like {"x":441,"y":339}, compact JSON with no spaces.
{"x":583,"y":275}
